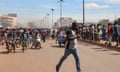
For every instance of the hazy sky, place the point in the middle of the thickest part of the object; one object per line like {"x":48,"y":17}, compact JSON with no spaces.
{"x":35,"y":10}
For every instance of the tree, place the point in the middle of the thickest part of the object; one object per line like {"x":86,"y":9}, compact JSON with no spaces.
{"x":103,"y":22}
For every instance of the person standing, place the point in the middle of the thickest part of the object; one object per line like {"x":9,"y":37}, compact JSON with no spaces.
{"x":110,"y":33}
{"x":118,"y":31}
{"x":61,"y":39}
{"x":104,"y":33}
{"x":71,"y":47}
{"x":115,"y":34}
{"x":44,"y":34}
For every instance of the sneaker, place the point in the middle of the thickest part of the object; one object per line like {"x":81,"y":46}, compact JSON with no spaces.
{"x":57,"y":68}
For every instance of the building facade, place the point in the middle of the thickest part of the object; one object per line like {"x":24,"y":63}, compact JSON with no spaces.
{"x":7,"y":20}
{"x":63,"y":22}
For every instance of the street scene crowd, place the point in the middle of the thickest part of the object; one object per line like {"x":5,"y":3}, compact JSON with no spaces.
{"x":22,"y":37}
{"x":109,"y":34}
{"x":31,"y":38}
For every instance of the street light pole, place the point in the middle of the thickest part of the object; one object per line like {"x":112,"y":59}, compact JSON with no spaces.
{"x":48,"y":20}
{"x":60,"y":13}
{"x":45,"y":21}
{"x":52,"y":14}
{"x":83,"y":12}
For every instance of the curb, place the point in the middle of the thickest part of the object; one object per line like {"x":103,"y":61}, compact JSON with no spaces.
{"x":115,"y":48}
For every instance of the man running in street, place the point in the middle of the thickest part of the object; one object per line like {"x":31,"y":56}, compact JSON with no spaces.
{"x":71,"y":47}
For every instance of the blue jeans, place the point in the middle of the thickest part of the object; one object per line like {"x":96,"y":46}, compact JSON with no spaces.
{"x":74,"y":52}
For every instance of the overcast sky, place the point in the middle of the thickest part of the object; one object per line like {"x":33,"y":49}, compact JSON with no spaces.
{"x":35,"y":10}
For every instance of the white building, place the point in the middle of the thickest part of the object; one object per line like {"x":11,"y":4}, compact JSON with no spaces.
{"x":6,"y":19}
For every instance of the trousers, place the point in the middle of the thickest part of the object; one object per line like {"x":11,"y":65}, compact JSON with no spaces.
{"x":75,"y":53}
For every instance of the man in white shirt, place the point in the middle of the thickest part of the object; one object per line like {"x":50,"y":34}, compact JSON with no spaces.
{"x":71,"y":47}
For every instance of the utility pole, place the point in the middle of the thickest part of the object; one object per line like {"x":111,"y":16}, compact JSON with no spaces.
{"x":83,"y":12}
{"x":52,"y":15}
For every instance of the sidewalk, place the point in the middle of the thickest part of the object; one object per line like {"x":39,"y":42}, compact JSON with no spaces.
{"x":103,"y":44}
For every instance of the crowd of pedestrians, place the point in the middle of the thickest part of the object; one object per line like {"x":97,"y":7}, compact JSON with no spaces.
{"x":22,"y":38}
{"x":108,"y":33}
{"x":31,"y":38}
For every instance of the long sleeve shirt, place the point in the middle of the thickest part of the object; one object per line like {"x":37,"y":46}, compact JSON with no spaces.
{"x":118,"y":29}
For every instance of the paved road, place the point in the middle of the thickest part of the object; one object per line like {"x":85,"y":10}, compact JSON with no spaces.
{"x":93,"y":59}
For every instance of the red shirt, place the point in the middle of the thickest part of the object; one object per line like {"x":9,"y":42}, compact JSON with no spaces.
{"x":109,"y":30}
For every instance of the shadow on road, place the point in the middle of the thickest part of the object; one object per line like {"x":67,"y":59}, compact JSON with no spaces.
{"x":96,"y":48}
{"x":103,"y":45}
{"x":100,"y":49}
{"x":3,"y":52}
{"x":35,"y":48}
{"x":86,"y":44}
{"x":6,"y":52}
{"x":115,"y":54}
{"x":57,"y":46}
{"x":107,"y":49}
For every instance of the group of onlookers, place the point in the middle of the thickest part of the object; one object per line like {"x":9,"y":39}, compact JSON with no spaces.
{"x":22,"y":37}
{"x":109,"y":32}
{"x":29,"y":38}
